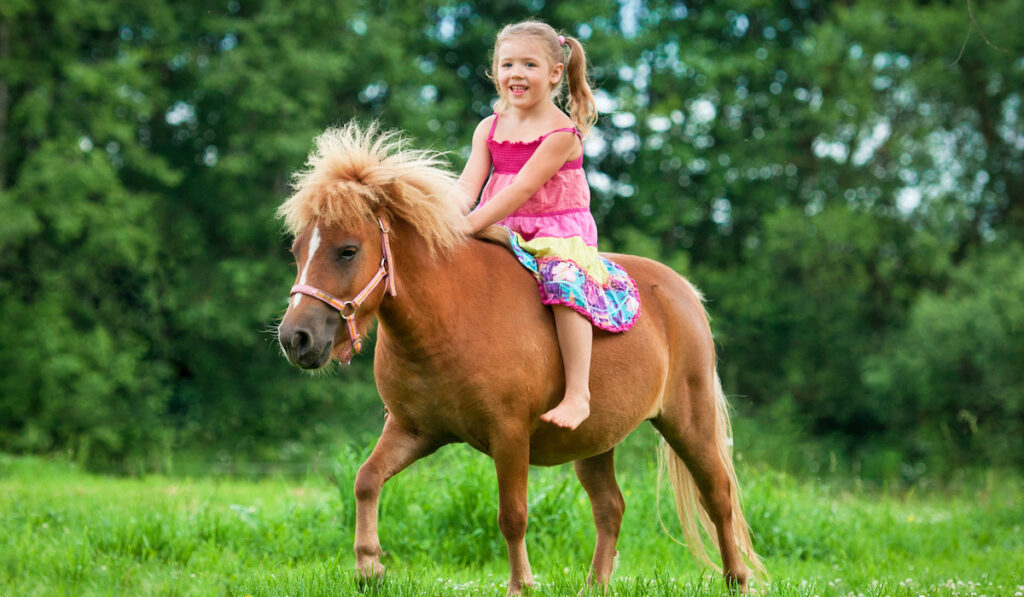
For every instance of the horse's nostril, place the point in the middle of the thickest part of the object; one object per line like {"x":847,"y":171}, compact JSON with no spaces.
{"x":301,"y":340}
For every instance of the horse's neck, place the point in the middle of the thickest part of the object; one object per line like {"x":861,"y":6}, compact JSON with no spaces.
{"x":428,"y":289}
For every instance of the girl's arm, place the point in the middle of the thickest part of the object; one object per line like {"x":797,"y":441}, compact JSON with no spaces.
{"x":554,"y":151}
{"x":478,"y":167}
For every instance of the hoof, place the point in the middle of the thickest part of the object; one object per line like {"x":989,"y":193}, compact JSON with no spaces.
{"x":369,"y":576}
{"x":524,"y":589}
{"x":593,"y":588}
{"x":737,"y":583}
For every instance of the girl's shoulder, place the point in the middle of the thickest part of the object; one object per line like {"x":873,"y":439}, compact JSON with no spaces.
{"x":561,"y":120}
{"x":484,"y":129}
{"x":487,"y":123}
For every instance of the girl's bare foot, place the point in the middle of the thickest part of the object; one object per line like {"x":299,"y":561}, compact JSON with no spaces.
{"x":570,"y":412}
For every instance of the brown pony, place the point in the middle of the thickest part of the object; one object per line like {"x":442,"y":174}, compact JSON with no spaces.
{"x":466,"y":352}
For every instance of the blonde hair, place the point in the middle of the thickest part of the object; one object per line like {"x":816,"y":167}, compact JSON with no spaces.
{"x":356,"y":173}
{"x":580,"y":104}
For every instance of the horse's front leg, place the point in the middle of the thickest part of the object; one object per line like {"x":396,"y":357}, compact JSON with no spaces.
{"x":511,"y":455}
{"x":395,"y":450}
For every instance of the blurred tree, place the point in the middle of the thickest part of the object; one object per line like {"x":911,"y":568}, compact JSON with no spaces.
{"x":80,"y":236}
{"x":950,"y":384}
{"x":813,"y":166}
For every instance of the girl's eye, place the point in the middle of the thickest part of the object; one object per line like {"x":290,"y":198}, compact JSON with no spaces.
{"x":347,"y":253}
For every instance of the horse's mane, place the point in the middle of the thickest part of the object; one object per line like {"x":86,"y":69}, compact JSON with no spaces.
{"x":357,"y":173}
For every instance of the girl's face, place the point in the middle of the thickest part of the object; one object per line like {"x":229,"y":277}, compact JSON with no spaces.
{"x":526,"y":76}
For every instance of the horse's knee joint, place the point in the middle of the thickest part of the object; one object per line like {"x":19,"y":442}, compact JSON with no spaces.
{"x":368,"y":483}
{"x":512,"y":523}
{"x":619,"y":505}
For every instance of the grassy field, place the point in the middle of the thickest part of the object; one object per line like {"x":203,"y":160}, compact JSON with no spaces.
{"x":65,"y":532}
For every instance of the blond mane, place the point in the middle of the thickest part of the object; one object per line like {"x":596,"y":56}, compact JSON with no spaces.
{"x":355,"y":174}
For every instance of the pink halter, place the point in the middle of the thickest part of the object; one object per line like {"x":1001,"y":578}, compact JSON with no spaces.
{"x":347,"y":309}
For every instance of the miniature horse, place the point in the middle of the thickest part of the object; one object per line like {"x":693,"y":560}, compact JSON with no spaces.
{"x":466,"y":352}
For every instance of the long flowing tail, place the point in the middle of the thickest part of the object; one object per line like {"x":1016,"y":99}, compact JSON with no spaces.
{"x":691,"y":508}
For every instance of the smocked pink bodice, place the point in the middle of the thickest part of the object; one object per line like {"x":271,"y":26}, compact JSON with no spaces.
{"x":560,"y":207}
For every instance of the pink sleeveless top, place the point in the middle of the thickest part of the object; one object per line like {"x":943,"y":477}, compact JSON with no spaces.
{"x":561,"y":206}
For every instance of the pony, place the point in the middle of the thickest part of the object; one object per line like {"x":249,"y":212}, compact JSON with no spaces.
{"x":466,"y":352}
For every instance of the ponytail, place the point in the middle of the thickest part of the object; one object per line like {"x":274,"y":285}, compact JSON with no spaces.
{"x":581,"y":104}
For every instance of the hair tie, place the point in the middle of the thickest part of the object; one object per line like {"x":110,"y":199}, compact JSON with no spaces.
{"x":561,"y":40}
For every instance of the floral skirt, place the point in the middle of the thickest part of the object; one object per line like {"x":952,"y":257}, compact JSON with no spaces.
{"x":571,"y":274}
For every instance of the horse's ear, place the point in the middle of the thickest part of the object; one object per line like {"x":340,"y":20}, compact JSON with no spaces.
{"x":382,"y":211}
{"x":389,"y":190}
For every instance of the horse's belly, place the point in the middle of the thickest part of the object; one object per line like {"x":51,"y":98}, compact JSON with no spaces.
{"x":551,"y":447}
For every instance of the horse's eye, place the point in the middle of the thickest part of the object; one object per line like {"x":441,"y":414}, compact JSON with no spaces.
{"x":347,"y":253}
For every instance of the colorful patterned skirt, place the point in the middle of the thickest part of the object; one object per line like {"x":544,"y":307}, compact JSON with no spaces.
{"x":571,"y":274}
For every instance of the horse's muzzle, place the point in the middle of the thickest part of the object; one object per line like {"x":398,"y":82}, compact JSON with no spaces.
{"x":302,"y":347}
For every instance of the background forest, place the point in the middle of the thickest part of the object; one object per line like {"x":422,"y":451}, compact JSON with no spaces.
{"x":843,"y":180}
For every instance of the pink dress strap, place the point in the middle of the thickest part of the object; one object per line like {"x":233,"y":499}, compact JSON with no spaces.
{"x":494,"y":125}
{"x":568,"y":129}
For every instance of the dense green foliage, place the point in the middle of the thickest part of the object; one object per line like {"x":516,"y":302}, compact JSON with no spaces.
{"x":66,"y":532}
{"x":843,"y":180}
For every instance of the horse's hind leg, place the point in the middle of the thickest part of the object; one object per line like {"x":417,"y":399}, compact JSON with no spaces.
{"x":395,"y":450}
{"x":511,"y":454}
{"x":597,"y":475}
{"x":688,"y":425}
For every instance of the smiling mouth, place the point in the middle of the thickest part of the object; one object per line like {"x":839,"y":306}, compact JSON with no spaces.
{"x":517,"y":88}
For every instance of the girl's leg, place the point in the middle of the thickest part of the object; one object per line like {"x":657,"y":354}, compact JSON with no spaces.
{"x":575,"y":339}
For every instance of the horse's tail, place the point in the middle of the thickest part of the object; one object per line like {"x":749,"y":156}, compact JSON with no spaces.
{"x":691,"y":508}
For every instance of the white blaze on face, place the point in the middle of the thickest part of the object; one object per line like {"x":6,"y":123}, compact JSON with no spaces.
{"x":314,"y":244}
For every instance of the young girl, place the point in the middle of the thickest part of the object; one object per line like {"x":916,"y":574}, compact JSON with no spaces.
{"x":530,"y":153}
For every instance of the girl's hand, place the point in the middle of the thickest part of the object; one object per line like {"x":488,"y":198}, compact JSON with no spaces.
{"x":465,"y":226}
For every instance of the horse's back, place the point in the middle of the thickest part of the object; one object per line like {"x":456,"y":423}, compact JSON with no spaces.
{"x":668,"y":298}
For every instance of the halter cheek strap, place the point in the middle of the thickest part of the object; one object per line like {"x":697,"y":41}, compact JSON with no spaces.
{"x":347,"y":309}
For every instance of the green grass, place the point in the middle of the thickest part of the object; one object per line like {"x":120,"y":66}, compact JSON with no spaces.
{"x":65,"y":532}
